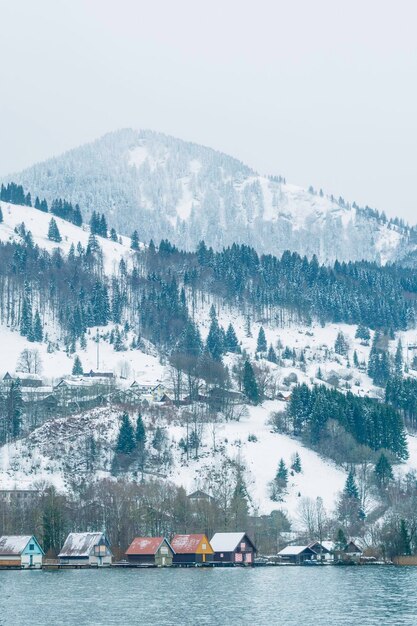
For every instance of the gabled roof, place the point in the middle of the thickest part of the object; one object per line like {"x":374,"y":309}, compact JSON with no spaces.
{"x":228,"y":542}
{"x":82,"y":544}
{"x":13,"y":545}
{"x":320,"y":546}
{"x":295,"y":550}
{"x":146,"y":545}
{"x":187,"y":544}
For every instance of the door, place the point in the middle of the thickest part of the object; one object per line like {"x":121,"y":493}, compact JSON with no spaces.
{"x":163,"y":561}
{"x":31,"y":560}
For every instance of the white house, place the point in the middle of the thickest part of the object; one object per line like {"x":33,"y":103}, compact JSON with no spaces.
{"x":20,"y":551}
{"x":86,"y":549}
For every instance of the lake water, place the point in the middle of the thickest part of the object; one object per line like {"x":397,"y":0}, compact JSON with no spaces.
{"x":278,"y":595}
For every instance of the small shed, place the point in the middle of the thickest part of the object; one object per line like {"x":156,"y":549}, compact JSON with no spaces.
{"x":86,"y":549}
{"x":234,"y":548}
{"x":191,"y":549}
{"x":155,"y":551}
{"x":21,"y":551}
{"x":297,"y":554}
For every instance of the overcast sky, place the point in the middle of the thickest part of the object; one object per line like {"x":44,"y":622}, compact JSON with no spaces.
{"x":323,"y":92}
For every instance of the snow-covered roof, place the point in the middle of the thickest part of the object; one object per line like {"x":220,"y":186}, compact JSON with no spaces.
{"x":226,"y":542}
{"x":329,"y":545}
{"x":187,"y":544}
{"x":13,"y":545}
{"x":28,"y":376}
{"x":80,"y":544}
{"x":293,"y":550}
{"x":145,"y":545}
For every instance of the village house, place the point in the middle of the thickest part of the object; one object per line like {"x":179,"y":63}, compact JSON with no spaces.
{"x":323,"y":549}
{"x":20,"y":551}
{"x":296,"y":554}
{"x":15,"y":497}
{"x":200,"y":496}
{"x":128,"y":397}
{"x":89,"y":549}
{"x":79,"y":392}
{"x":191,"y":549}
{"x":151,"y":551}
{"x":233,"y":548}
{"x":351,"y":552}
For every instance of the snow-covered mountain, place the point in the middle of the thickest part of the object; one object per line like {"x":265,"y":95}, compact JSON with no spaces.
{"x":168,"y":188}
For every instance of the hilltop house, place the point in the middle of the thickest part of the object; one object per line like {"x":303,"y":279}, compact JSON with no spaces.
{"x":233,"y":548}
{"x":86,"y":549}
{"x":297,"y":554}
{"x":21,"y":551}
{"x":191,"y":549}
{"x":150,"y":551}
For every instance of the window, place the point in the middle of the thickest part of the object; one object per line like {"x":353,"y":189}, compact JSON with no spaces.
{"x":204,"y":546}
{"x":31,"y":546}
{"x":164,"y":550}
{"x":243,"y":546}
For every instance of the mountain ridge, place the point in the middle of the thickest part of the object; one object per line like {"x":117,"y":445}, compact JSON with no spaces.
{"x":170,"y":188}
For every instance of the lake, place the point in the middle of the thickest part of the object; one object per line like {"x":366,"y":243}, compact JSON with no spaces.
{"x":333,"y":596}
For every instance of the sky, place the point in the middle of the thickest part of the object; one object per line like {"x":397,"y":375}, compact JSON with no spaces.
{"x":323,"y":92}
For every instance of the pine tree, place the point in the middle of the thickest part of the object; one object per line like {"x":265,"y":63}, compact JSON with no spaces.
{"x":113,"y":235}
{"x":351,"y":489}
{"x":398,"y":360}
{"x":340,"y":345}
{"x":37,"y":327}
{"x":126,"y":437}
{"x":261,"y":345}
{"x":134,"y":240}
{"x":355,"y":359}
{"x":26,"y":317}
{"x":231,"y":342}
{"x":77,"y":368}
{"x":140,"y":437}
{"x":404,"y":539}
{"x":362,"y":332}
{"x":214,"y":342}
{"x":296,"y":463}
{"x":14,"y":410}
{"x":53,"y":231}
{"x":383,"y":471}
{"x":1,"y":216}
{"x":271,"y":356}
{"x":250,"y":386}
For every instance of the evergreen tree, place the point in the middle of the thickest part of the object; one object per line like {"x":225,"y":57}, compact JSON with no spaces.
{"x":383,"y":471}
{"x":351,"y":489}
{"x":37,"y":327}
{"x":1,"y":216}
{"x":404,"y":539}
{"x":26,"y":317}
{"x":379,"y":367}
{"x":126,"y":437}
{"x":261,"y":345}
{"x":134,"y":240}
{"x":214,"y":342}
{"x":140,"y":437}
{"x":341,"y":345}
{"x":362,"y":332}
{"x":341,"y":540}
{"x":103,"y":226}
{"x":113,"y":235}
{"x":250,"y":386}
{"x":355,"y":359}
{"x":271,"y":356}
{"x":14,"y":410}
{"x":296,"y":463}
{"x":53,"y":231}
{"x":398,"y":360}
{"x":77,"y":368}
{"x":231,"y":342}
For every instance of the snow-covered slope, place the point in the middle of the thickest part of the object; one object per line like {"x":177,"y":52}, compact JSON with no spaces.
{"x":168,"y":188}
{"x":37,"y":222}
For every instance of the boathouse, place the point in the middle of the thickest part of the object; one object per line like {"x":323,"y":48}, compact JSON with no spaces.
{"x":297,"y":554}
{"x":234,"y":548}
{"x":21,"y":551}
{"x":150,"y":551}
{"x":191,"y":549}
{"x":86,"y":549}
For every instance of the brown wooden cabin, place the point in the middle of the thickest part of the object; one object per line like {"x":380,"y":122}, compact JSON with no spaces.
{"x":150,"y":551}
{"x":234,"y":548}
{"x":191,"y":549}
